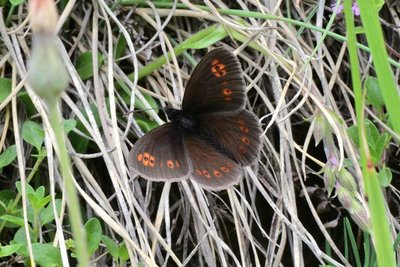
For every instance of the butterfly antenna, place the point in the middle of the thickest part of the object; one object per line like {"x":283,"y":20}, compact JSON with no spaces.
{"x":141,"y":110}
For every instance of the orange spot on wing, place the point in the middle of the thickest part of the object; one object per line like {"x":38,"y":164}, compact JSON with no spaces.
{"x":146,"y":158}
{"x":152,"y":161}
{"x":139,"y":157}
{"x":245,"y":140}
{"x":242,"y":150}
{"x":244,"y":129}
{"x":218,"y":69}
{"x":206,"y":174}
{"x":170,"y":164}
{"x":177,"y":164}
{"x":221,"y":73}
{"x":217,"y":173}
{"x":224,"y":169}
{"x":227,"y":91}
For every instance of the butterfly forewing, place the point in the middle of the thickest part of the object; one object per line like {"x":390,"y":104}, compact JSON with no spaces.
{"x":160,"y":154}
{"x":216,"y":85}
{"x":210,"y":168}
{"x":237,"y":136}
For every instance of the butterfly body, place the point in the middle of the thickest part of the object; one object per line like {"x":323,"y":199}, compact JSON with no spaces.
{"x":181,"y":119}
{"x":211,"y":137}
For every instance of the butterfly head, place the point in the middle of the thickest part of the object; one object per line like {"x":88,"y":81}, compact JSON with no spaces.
{"x":182,"y":119}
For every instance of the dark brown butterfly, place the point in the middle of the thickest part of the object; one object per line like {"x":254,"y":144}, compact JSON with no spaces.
{"x":211,"y":137}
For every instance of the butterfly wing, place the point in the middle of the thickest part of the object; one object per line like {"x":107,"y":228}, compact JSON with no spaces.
{"x":216,"y":84}
{"x":211,"y":169}
{"x":160,"y":154}
{"x":237,"y":136}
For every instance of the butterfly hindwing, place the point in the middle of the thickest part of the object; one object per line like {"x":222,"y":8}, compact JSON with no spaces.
{"x":216,"y":84}
{"x":160,"y":154}
{"x":238,"y":136}
{"x":210,"y":168}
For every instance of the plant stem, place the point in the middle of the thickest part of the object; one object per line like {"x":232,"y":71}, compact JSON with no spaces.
{"x":380,"y":224}
{"x":71,"y":194}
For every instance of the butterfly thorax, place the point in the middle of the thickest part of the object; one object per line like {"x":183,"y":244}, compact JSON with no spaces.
{"x":184,"y":120}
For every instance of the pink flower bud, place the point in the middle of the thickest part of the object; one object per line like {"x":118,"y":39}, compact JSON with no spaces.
{"x":43,"y":16}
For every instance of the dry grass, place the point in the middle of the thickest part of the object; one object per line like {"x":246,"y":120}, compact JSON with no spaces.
{"x":293,"y":74}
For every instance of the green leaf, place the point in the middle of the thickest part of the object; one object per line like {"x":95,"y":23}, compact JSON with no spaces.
{"x":9,"y":249}
{"x":372,"y":133}
{"x":33,"y":134}
{"x":8,"y":156}
{"x":352,"y":131}
{"x":145,"y":123}
{"x":377,"y":143}
{"x":25,"y":99}
{"x":111,"y":246}
{"x":40,"y":191}
{"x":79,"y":142}
{"x":374,"y":96}
{"x":32,"y":214}
{"x":16,"y":2}
{"x":123,"y":252}
{"x":46,"y":255}
{"x":47,"y":214}
{"x":120,"y":47}
{"x":84,"y":64}
{"x":29,"y":188}
{"x":126,"y":96}
{"x":373,"y":139}
{"x":94,"y":232}
{"x":5,"y":88}
{"x":38,"y":202}
{"x":150,"y":100}
{"x":385,"y":177}
{"x":69,"y":125}
{"x":20,"y":237}
{"x":6,"y":196}
{"x":13,"y":219}
{"x":70,"y":244}
{"x":379,"y":4}
{"x":208,"y":40}
{"x":10,"y":222}
{"x":381,"y":144}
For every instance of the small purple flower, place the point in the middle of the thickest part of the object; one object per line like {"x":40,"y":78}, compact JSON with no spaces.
{"x":354,"y":8}
{"x":340,"y":9}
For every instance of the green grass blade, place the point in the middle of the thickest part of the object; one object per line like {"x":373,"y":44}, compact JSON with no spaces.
{"x":380,"y":225}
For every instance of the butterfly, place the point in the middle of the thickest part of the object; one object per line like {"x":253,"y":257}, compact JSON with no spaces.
{"x":211,"y":137}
